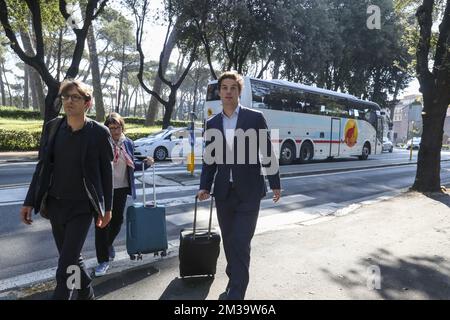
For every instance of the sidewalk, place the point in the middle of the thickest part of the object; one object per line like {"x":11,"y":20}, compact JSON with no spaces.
{"x":18,"y":156}
{"x":405,"y":239}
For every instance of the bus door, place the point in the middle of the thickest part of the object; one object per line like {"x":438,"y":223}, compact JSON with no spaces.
{"x":380,"y":132}
{"x":335,"y":137}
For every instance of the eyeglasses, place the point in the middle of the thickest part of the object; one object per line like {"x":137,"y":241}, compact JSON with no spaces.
{"x":73,"y":97}
{"x":115,"y":128}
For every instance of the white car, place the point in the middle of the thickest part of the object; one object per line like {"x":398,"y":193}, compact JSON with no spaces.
{"x":415,"y":142}
{"x":169,"y":143}
{"x":387,"y":145}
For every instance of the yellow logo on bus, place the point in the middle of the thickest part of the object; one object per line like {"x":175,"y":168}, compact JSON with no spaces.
{"x":210,"y":112}
{"x":351,"y":133}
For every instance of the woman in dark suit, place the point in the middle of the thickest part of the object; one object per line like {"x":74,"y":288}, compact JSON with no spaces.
{"x":123,"y":180}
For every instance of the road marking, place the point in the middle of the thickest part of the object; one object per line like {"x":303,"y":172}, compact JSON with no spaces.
{"x":181,"y":219}
{"x":346,"y":172}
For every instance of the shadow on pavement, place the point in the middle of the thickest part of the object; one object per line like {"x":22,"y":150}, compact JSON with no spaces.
{"x":195,"y":288}
{"x":444,"y":198}
{"x":104,"y":285}
{"x":422,"y":277}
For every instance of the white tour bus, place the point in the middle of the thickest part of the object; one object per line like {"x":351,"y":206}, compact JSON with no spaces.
{"x":313,"y":123}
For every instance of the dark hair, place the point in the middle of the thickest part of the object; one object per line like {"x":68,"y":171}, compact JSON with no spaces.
{"x":82,"y":88}
{"x":115,"y":118}
{"x":234,"y":76}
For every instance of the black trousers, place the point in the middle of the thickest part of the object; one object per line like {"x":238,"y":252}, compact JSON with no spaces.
{"x":70,"y":220}
{"x":237,"y":220}
{"x":104,"y":238}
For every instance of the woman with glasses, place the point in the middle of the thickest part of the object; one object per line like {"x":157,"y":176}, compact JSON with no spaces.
{"x":124,"y":165}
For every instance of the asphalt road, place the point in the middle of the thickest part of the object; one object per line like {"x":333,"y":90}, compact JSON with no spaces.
{"x":27,"y":249}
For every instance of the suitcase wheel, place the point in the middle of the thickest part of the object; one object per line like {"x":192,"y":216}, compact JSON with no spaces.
{"x":132,"y":257}
{"x":163,"y":253}
{"x":139,"y":256}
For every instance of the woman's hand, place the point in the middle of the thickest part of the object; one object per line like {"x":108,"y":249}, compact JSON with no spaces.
{"x":149,"y":161}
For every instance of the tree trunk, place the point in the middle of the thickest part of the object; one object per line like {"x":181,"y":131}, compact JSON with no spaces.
{"x":96,"y":81}
{"x":26,"y":89}
{"x":276,"y":69}
{"x":7,"y":84}
{"x":2,"y":87}
{"x":435,"y":87}
{"x":36,"y":86}
{"x":34,"y":98}
{"x":169,"y":109}
{"x":154,"y":104}
{"x":429,"y":157}
{"x":52,"y":103}
{"x":119,"y":94}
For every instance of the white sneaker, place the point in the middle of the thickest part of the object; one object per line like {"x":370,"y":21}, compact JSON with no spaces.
{"x":101,"y":269}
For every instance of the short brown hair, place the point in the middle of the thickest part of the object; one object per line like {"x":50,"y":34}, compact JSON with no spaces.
{"x":115,"y":118}
{"x":234,"y":76}
{"x":82,"y":88}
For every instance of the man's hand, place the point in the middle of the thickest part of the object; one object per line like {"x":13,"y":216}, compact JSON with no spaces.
{"x":203,"y":195}
{"x":276,"y":194}
{"x":103,"y":221}
{"x":25,"y":214}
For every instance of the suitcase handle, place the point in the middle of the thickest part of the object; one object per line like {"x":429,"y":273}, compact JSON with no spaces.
{"x":210,"y":216}
{"x":143,"y":184}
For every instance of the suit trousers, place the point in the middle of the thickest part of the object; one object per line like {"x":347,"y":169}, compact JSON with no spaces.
{"x":104,"y":238}
{"x":237,"y":220}
{"x":70,"y":221}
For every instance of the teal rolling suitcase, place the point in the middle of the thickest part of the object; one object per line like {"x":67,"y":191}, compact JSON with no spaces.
{"x":146,"y":226}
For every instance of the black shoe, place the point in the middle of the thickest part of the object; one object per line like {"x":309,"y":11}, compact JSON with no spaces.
{"x":223,"y":296}
{"x":86,"y":294}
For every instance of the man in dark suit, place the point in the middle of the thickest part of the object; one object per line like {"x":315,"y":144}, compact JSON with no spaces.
{"x":72,"y":184}
{"x":238,"y":182}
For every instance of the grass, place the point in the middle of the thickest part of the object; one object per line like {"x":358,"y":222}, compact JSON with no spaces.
{"x":21,"y":124}
{"x":36,"y":125}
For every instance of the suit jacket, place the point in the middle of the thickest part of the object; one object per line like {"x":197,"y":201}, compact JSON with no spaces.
{"x":96,"y":159}
{"x":247,"y":177}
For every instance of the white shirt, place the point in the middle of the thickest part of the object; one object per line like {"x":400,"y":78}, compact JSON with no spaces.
{"x":120,"y":174}
{"x":229,"y":127}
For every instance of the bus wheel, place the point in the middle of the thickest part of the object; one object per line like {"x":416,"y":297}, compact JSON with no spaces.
{"x":287,"y":154}
{"x":306,"y":152}
{"x":365,"y":152}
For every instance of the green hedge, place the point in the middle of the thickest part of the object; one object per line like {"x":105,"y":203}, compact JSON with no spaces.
{"x":136,"y":135}
{"x":16,"y":113}
{"x":22,"y":140}
{"x":19,"y":140}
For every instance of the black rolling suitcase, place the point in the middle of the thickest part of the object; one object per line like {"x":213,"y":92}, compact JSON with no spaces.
{"x":199,"y":248}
